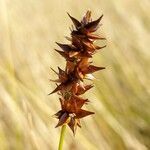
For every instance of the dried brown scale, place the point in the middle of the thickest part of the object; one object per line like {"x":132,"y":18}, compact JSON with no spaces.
{"x":70,"y":81}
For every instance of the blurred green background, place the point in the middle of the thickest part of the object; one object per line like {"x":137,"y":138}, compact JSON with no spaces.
{"x":120,"y":98}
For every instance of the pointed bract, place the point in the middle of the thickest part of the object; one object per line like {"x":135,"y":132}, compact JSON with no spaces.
{"x":62,"y":119}
{"x":83,"y":113}
{"x":93,"y":26}
{"x":59,"y":87}
{"x":75,"y":21}
{"x":64,"y":47}
{"x":92,"y":69}
{"x":82,"y":91}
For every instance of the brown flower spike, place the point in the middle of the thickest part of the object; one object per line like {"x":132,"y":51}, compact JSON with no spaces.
{"x":70,"y":82}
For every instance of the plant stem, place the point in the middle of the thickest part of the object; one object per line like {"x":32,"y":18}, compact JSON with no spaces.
{"x":62,"y":135}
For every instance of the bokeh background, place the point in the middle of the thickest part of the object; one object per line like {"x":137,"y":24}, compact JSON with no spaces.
{"x":120,"y":98}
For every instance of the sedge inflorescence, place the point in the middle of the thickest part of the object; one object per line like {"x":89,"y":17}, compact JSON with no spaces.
{"x":71,"y":81}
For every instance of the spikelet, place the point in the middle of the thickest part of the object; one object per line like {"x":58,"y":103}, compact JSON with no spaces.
{"x":70,"y":82}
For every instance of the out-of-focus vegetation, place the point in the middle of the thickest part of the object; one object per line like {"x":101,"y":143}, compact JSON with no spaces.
{"x":120,"y":98}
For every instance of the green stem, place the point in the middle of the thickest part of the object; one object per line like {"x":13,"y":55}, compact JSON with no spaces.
{"x":62,"y":135}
